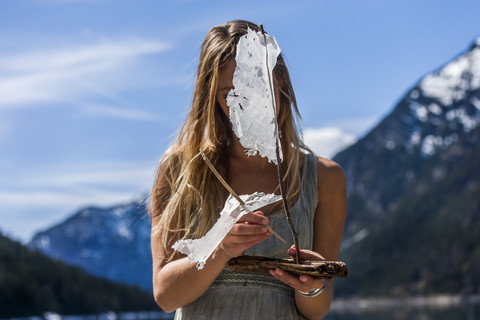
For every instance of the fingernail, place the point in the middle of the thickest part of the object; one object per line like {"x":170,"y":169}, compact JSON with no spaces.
{"x":268,"y":233}
{"x":264,"y":229}
{"x":303,"y":279}
{"x":279,"y":272}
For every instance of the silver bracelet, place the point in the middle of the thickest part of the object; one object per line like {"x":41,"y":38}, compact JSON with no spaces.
{"x":312,"y":293}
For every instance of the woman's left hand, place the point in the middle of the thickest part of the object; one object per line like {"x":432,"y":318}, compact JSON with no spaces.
{"x":303,"y":283}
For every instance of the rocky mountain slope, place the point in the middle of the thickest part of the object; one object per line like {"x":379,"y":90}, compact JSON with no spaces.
{"x":414,"y":190}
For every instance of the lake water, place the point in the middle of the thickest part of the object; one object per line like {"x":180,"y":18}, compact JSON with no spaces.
{"x":413,"y":309}
{"x":465,"y":311}
{"x":470,"y":312}
{"x":426,"y":308}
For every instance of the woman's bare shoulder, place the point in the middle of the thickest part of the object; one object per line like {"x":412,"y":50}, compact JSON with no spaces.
{"x":329,"y":168}
{"x":330,"y":174}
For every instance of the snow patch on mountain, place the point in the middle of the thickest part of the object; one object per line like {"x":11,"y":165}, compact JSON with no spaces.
{"x":452,"y":82}
{"x":44,"y":242}
{"x":429,"y":144}
{"x":468,"y":122}
{"x":356,"y":238}
{"x":475,"y":102}
{"x":420,"y":111}
{"x":435,"y":109}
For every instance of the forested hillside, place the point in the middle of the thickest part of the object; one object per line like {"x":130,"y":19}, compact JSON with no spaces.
{"x":32,"y":283}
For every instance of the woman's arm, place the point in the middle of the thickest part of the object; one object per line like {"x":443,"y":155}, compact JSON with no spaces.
{"x":179,"y":282}
{"x":329,"y":222}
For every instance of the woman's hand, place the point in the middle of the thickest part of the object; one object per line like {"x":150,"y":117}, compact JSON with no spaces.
{"x":303,"y":283}
{"x":247,"y":232}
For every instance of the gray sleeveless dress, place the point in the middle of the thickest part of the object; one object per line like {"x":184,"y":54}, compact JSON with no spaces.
{"x":251,"y":295}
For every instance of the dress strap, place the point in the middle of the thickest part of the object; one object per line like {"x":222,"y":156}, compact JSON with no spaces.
{"x":309,"y":194}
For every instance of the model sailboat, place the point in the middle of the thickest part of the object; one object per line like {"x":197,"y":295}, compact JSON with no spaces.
{"x":252,"y":112}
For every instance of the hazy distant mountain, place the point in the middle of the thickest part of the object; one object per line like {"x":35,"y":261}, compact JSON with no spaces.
{"x":414,"y":190}
{"x":413,"y":194}
{"x":110,"y":242}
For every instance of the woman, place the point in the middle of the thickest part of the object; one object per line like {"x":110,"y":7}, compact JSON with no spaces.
{"x":187,"y":198}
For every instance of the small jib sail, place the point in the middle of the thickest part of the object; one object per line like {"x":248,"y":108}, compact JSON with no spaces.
{"x":199,"y":250}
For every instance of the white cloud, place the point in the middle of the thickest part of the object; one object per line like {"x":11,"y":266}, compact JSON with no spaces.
{"x":133,"y":175}
{"x":34,"y":200}
{"x":38,"y":199}
{"x":326,"y":142}
{"x":122,"y":113}
{"x":90,"y":55}
{"x":59,"y":75}
{"x":357,"y":126}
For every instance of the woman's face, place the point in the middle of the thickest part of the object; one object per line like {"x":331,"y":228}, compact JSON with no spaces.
{"x":225,"y":84}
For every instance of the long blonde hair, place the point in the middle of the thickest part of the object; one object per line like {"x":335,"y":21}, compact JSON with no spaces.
{"x":187,"y":198}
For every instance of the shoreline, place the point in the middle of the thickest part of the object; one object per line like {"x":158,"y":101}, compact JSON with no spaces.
{"x":341,"y":305}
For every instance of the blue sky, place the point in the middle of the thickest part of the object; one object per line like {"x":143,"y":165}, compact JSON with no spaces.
{"x":92,"y":91}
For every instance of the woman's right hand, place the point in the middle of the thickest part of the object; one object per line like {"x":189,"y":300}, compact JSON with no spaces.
{"x":247,"y":232}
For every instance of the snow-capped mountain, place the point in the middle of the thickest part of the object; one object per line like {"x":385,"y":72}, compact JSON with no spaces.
{"x":417,"y":173}
{"x":440,"y":109}
{"x":110,"y":242}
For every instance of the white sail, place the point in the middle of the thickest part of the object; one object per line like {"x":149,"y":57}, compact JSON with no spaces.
{"x":252,"y":114}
